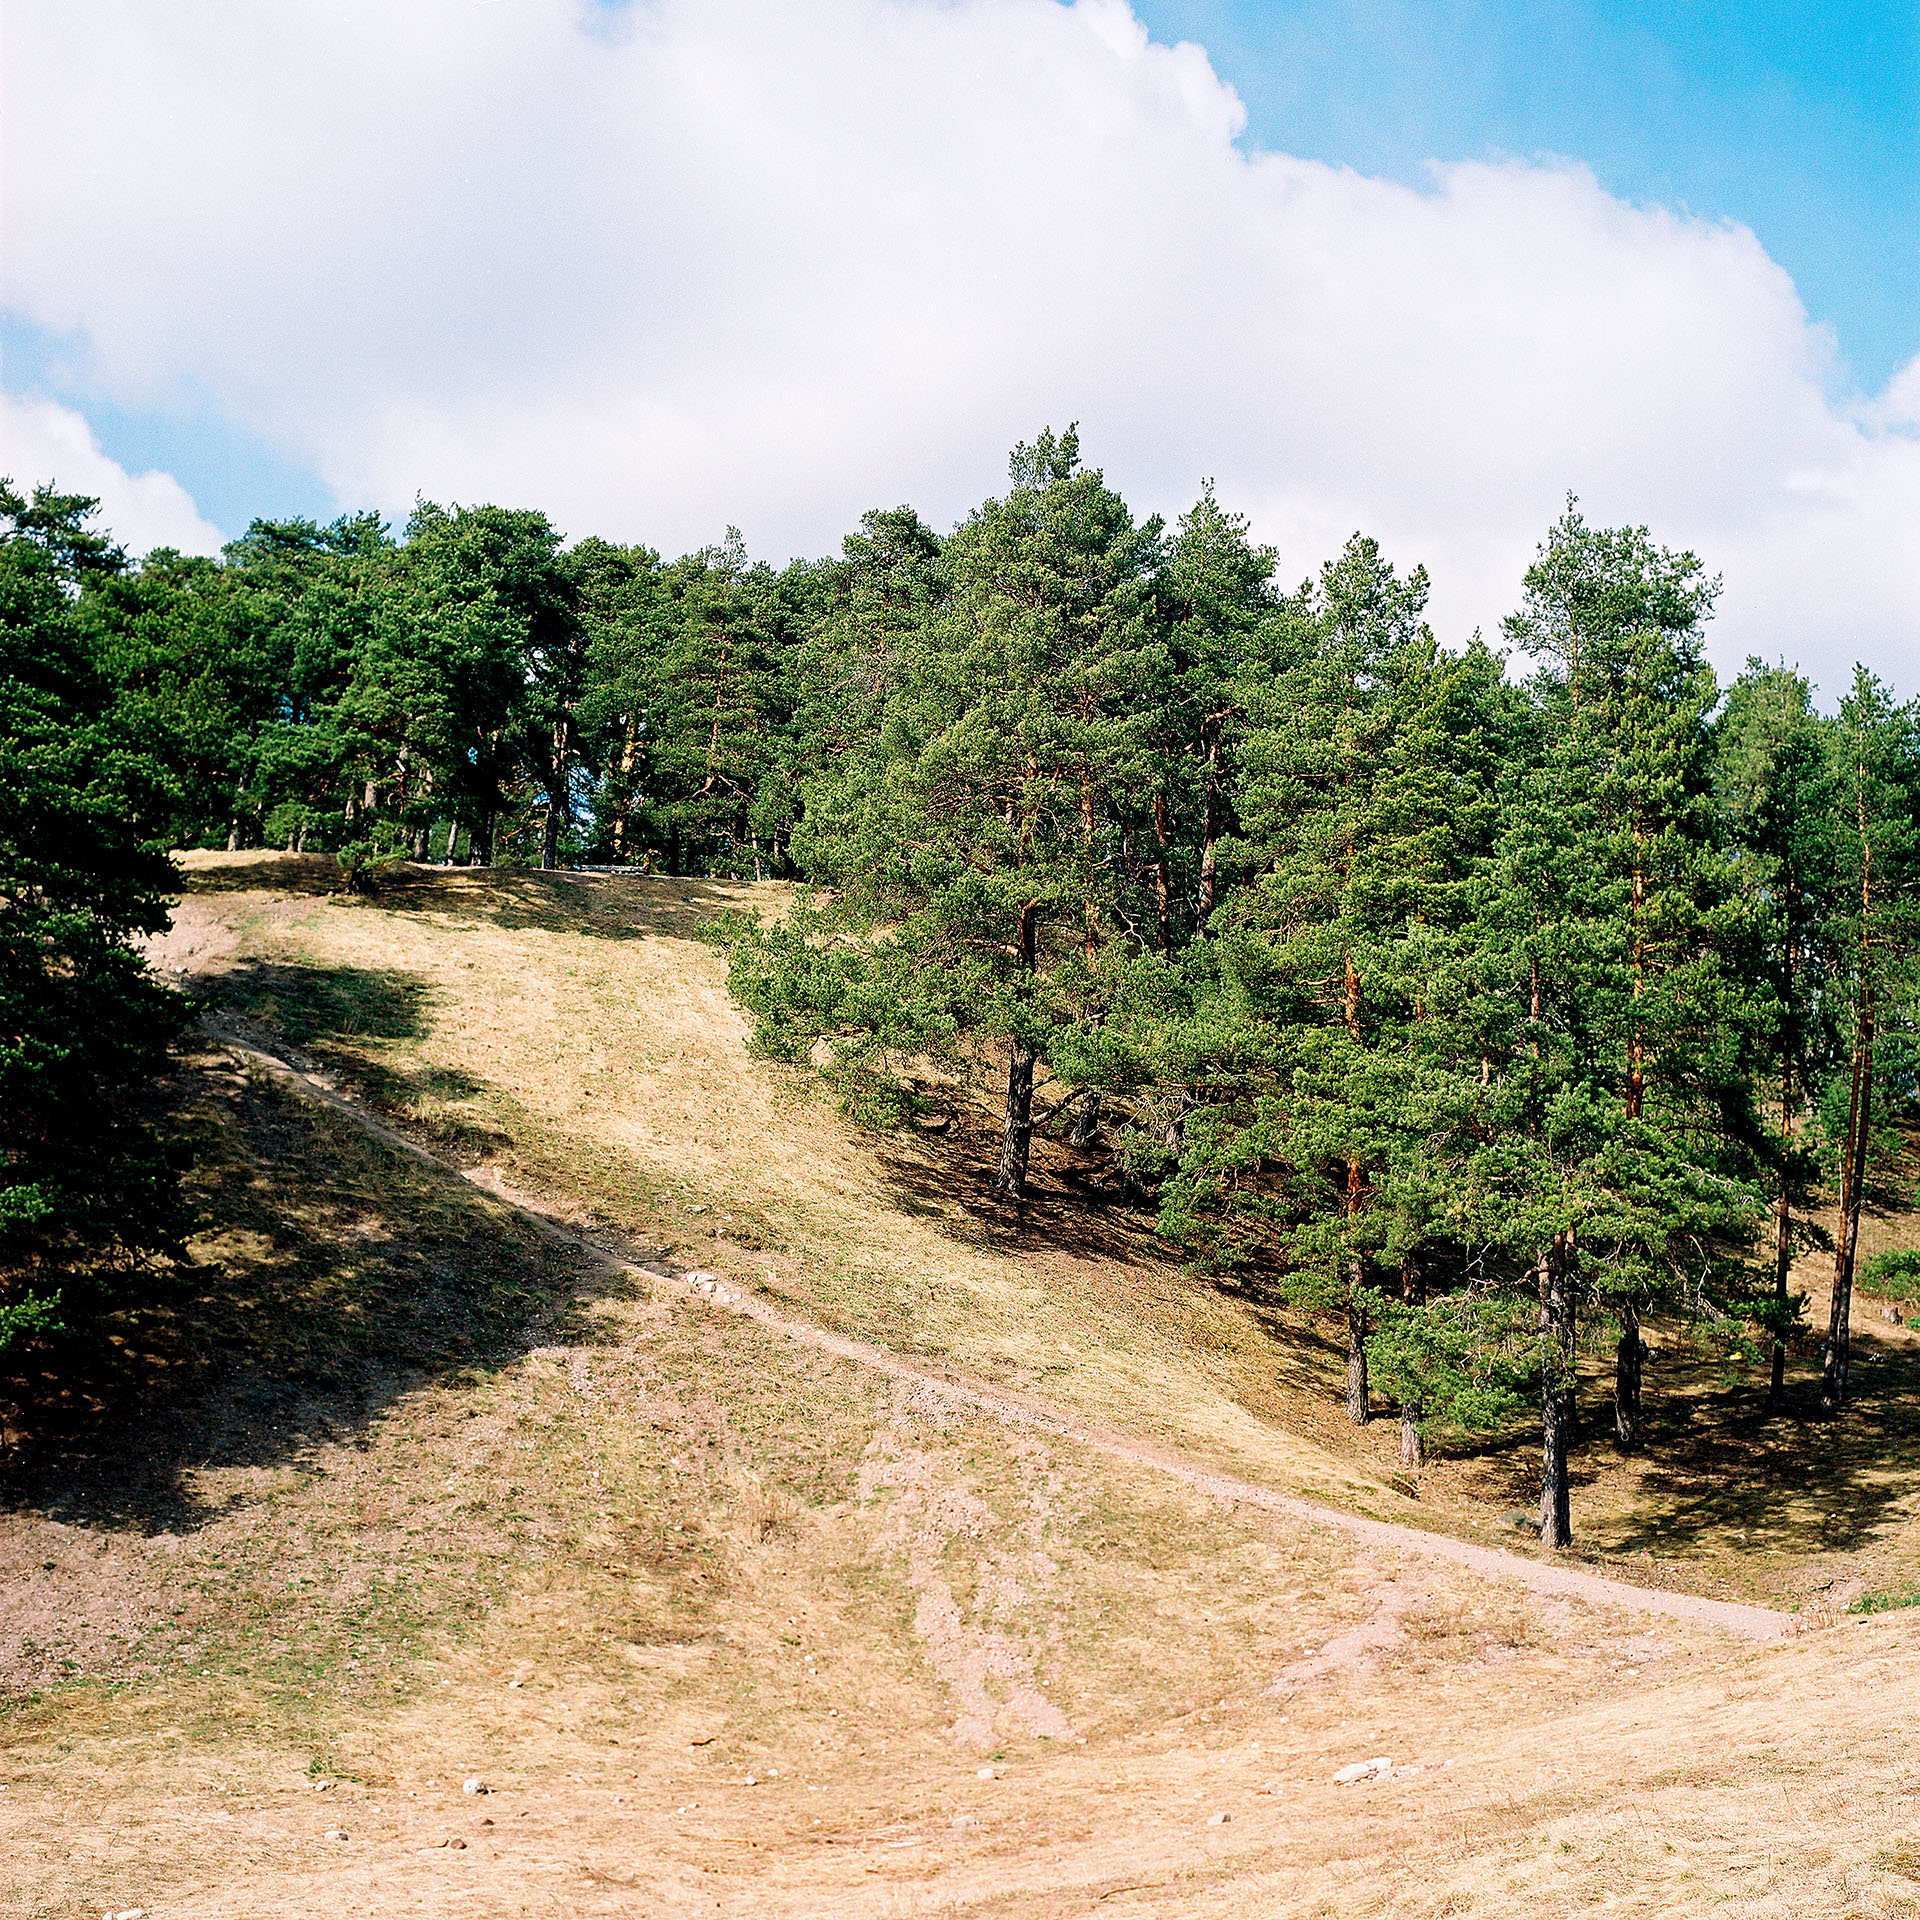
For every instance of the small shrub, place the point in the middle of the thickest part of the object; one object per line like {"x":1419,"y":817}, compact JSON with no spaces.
{"x":1894,"y":1275}
{"x":1886,"y":1602}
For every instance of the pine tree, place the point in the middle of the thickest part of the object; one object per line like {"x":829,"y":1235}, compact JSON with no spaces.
{"x":1312,"y":801}
{"x":976,"y":845}
{"x":1222,"y":608}
{"x":628,"y":622}
{"x":89,"y":1185}
{"x":1775,"y":773}
{"x":1875,"y":786}
{"x":1620,"y":1164}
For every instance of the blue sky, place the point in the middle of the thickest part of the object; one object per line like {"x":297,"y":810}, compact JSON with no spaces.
{"x":233,"y":475}
{"x":1798,"y":118}
{"x":769,"y":263}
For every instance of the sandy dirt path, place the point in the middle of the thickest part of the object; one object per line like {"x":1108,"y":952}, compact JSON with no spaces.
{"x":1028,"y":1410}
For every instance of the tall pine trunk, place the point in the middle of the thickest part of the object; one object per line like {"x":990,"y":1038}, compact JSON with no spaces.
{"x":1783,"y":1209}
{"x":1162,"y":878}
{"x":1413,"y":1451}
{"x":1016,"y":1138}
{"x":1359,"y":1398}
{"x":1853,"y":1173}
{"x":1853,"y":1170}
{"x":1626,"y":1379}
{"x":556,"y":797}
{"x":1359,"y":1409}
{"x":1210,"y":831}
{"x":1556,"y":1393}
{"x":624,"y":792}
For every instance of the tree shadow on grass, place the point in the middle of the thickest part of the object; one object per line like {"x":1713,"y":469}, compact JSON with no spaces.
{"x":607,"y":906}
{"x":623,"y":905}
{"x":1073,"y":1207}
{"x":336,"y":1018}
{"x":1717,"y":1470}
{"x":260,"y":871}
{"x":334,"y":1274}
{"x":315,"y":1006}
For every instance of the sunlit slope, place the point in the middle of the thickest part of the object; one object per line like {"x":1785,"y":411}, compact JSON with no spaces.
{"x":574,"y":1033}
{"x":726,"y":1625}
{"x":415,"y":1496}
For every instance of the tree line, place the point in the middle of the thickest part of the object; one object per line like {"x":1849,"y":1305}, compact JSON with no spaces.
{"x":1490,"y":999}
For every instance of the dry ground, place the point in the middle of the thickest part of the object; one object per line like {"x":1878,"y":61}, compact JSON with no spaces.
{"x":398,"y":1495}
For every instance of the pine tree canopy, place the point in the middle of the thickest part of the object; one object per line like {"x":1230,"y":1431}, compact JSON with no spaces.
{"x":1487,"y":1001}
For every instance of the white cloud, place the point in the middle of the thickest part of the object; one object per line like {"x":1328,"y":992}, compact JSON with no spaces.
{"x":768,"y":262}
{"x":43,"y":442}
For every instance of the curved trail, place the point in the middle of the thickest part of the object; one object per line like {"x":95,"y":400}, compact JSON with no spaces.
{"x":1025,"y":1409}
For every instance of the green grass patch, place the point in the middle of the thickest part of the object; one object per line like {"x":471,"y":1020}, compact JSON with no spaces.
{"x":1889,"y":1602}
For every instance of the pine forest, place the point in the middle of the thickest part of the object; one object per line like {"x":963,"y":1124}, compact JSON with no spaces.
{"x":1489,"y":997}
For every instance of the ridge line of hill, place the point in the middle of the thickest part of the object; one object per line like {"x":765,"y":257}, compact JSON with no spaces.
{"x":1020,"y":1408}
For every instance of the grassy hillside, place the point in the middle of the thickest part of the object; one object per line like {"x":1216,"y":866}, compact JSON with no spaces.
{"x":396,"y":1493}
{"x":574,"y":1034}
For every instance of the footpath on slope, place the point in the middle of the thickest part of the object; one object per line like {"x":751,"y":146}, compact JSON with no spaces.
{"x":1029,"y":1410}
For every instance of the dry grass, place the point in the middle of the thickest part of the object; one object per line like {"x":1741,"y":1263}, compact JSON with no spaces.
{"x":574,"y":1032}
{"x":397,"y":1497}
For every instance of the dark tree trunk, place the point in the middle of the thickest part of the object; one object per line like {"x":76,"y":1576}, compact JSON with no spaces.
{"x":1413,"y":1451}
{"x":1018,"y":1135}
{"x":480,"y":841}
{"x":1086,"y":1123}
{"x":1782,"y":1263}
{"x":1626,"y":1380}
{"x":1210,"y":830}
{"x":1359,"y":1409}
{"x":1783,"y":1212}
{"x":1017,"y":1138}
{"x":1162,"y":879}
{"x":624,"y":791}
{"x":1556,"y":1393}
{"x":1174,"y":1139}
{"x":1838,"y":1356}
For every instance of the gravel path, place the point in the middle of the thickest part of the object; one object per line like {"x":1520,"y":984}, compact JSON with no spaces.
{"x":1025,"y":1409}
